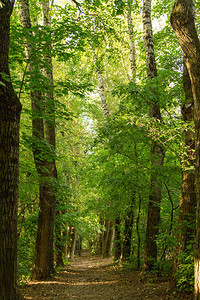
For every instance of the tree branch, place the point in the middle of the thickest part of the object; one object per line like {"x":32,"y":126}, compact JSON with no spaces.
{"x":23,"y":80}
{"x":77,"y":3}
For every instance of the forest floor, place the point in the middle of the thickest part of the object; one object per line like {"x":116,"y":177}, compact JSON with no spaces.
{"x":95,"y":278}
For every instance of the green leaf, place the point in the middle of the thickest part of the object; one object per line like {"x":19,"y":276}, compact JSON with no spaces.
{"x":2,"y":83}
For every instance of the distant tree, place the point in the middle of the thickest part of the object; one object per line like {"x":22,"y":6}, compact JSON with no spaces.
{"x":10,"y":109}
{"x":128,"y":229}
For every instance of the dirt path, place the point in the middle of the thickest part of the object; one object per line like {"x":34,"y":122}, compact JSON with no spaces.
{"x":93,"y":278}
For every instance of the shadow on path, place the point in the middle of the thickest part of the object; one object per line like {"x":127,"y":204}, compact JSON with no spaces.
{"x":94,"y":278}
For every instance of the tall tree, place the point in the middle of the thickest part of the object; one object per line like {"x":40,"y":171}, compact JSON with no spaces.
{"x":187,"y":210}
{"x":109,"y":225}
{"x":183,"y":23}
{"x":131,"y":41}
{"x":73,"y":242}
{"x":129,"y":218}
{"x":42,"y":151}
{"x":157,"y":152}
{"x":50,"y":124}
{"x":101,"y":86}
{"x":10,"y":109}
{"x":128,"y":229}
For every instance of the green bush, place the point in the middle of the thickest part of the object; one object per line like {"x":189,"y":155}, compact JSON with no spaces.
{"x":185,"y":274}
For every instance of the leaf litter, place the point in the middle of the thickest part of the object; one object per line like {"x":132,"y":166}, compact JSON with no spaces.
{"x":95,"y":278}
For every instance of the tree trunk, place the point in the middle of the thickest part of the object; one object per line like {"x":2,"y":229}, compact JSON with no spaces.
{"x":100,"y":239}
{"x":138,"y":232}
{"x":65,"y":243}
{"x":43,"y":265}
{"x":50,"y":124}
{"x":69,"y":244}
{"x":105,"y":236}
{"x":183,"y":23}
{"x":10,"y":109}
{"x":108,"y":239}
{"x":157,"y":152}
{"x":78,"y":246}
{"x":187,"y":210}
{"x":101,"y":86}
{"x":127,"y":244}
{"x":131,"y":42}
{"x":117,"y":241}
{"x":73,"y":244}
{"x":59,"y":242}
{"x":109,"y":233}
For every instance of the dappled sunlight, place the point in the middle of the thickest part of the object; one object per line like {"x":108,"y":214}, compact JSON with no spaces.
{"x":83,"y":282}
{"x":98,"y":280}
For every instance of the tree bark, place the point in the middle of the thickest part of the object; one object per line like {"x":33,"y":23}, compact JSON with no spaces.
{"x":78,"y":245}
{"x":127,"y":244}
{"x":10,"y":109}
{"x":138,"y":232}
{"x":109,"y":233}
{"x":131,"y":42}
{"x":117,"y":241}
{"x":108,"y":241}
{"x":65,"y":245}
{"x":187,"y":210}
{"x":50,"y":123}
{"x":105,"y":236}
{"x":43,"y":264}
{"x":101,"y":86}
{"x":100,"y":238}
{"x":157,"y":152}
{"x":73,"y":244}
{"x":59,"y":242}
{"x":183,"y":23}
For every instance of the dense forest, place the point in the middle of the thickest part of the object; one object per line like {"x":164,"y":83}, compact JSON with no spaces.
{"x":99,"y":137}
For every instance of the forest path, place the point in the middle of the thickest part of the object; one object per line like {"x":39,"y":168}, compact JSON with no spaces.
{"x":94,"y":278}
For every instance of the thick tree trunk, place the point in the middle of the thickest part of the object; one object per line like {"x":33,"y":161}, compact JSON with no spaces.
{"x":50,"y":124}
{"x":43,"y":265}
{"x":183,"y":23}
{"x":187,"y":210}
{"x":10,"y":109}
{"x":157,"y":152}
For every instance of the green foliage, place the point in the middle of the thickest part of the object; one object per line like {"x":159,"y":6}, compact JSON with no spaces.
{"x":185,"y":275}
{"x":27,"y":225}
{"x":100,"y":163}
